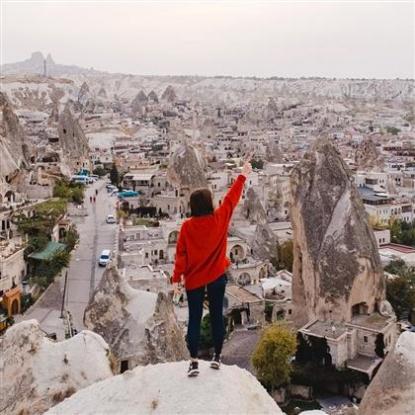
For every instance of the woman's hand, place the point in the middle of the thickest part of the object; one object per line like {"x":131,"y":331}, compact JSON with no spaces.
{"x":177,"y":293}
{"x":246,"y":169}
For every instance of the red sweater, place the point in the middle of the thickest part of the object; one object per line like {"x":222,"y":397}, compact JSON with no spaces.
{"x":201,"y":246}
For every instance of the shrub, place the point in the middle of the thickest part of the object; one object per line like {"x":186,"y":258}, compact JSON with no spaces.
{"x":273,"y":354}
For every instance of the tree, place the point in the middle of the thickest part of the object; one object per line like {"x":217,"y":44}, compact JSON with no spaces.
{"x":273,"y":354}
{"x":257,"y":164}
{"x":286,"y":255}
{"x":114,"y":175}
{"x":400,"y":289}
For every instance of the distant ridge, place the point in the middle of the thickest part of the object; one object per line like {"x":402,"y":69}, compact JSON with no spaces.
{"x":38,"y":64}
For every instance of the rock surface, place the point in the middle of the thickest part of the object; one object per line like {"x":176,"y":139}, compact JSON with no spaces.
{"x":73,"y":141}
{"x":139,"y":326}
{"x":392,"y":390}
{"x":336,"y":261}
{"x":367,"y":156}
{"x":186,"y":168}
{"x":169,"y":94}
{"x":37,"y":373}
{"x":166,"y":389}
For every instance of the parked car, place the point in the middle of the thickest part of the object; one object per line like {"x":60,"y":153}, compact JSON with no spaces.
{"x":111,"y":219}
{"x":104,"y":258}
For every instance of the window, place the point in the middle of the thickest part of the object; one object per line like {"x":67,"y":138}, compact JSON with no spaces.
{"x":124,"y":366}
{"x":289,"y":311}
{"x":365,"y":339}
{"x":146,"y":255}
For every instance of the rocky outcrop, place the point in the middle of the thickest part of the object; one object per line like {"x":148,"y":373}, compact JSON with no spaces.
{"x":274,"y":154}
{"x":85,"y":102}
{"x":264,"y":243}
{"x":72,"y":139}
{"x":37,"y":373}
{"x":367,"y":156}
{"x":152,"y":97}
{"x":139,"y":326}
{"x":186,"y":168}
{"x":392,"y":390}
{"x":169,"y":95}
{"x":162,"y":389}
{"x":336,"y":261}
{"x":253,"y":210}
{"x":14,"y":151}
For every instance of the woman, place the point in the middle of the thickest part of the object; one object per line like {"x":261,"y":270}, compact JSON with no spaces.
{"x":201,"y":262}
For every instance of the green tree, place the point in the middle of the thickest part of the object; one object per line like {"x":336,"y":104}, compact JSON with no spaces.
{"x":286,"y":255}
{"x":114,"y":175}
{"x":273,"y":354}
{"x":257,"y":164}
{"x":99,"y":171}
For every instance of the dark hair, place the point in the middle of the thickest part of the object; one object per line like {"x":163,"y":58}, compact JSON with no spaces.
{"x":201,"y":202}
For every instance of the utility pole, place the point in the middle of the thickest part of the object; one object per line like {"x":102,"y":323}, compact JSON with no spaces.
{"x":64,"y":293}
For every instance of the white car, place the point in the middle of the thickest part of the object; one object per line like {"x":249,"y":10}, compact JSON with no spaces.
{"x":111,"y":219}
{"x":104,"y":258}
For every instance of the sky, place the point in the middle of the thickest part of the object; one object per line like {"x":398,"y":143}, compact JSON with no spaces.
{"x":360,"y":39}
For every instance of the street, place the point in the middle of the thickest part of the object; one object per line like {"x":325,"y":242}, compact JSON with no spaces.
{"x":84,"y":273}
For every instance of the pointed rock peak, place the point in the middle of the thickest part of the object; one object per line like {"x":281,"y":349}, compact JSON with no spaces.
{"x":169,"y":94}
{"x":153,"y":96}
{"x":50,"y":60}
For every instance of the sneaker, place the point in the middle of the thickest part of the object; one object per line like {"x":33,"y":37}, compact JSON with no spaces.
{"x":193,"y":369}
{"x":215,"y":363}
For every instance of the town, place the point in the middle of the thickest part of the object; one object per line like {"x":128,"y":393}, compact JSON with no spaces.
{"x":95,"y":177}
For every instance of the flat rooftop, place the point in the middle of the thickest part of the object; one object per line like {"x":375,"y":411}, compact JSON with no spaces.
{"x":372,"y":321}
{"x":241,"y":294}
{"x":325,"y":329}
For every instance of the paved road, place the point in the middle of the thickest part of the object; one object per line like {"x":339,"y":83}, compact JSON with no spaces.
{"x":84,"y":273}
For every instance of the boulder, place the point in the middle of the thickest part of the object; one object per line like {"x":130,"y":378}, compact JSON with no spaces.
{"x":336,"y":260}
{"x":37,"y":373}
{"x":165,"y":389}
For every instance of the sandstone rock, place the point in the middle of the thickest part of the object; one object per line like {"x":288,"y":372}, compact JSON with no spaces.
{"x":72,"y":139}
{"x":165,"y":389}
{"x":392,"y":390}
{"x":152,"y":96}
{"x":186,"y":168}
{"x":169,"y":94}
{"x":336,"y":261}
{"x":37,"y":373}
{"x":367,"y":156}
{"x":253,"y":210}
{"x":85,"y":101}
{"x":139,"y":326}
{"x":13,"y":146}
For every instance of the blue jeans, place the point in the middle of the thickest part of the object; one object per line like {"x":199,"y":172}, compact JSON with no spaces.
{"x":215,"y":293}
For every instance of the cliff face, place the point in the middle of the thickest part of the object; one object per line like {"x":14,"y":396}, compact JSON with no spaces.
{"x":37,"y":373}
{"x":336,"y":261}
{"x":392,"y":390}
{"x":164,"y":389}
{"x":139,"y":326}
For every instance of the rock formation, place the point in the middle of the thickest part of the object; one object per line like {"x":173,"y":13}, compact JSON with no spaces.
{"x":163,"y":389}
{"x":72,"y":139}
{"x":336,"y":261}
{"x":169,"y":94}
{"x":85,"y":101}
{"x":13,"y":148}
{"x":392,"y":390}
{"x":186,"y":168}
{"x":367,"y":156}
{"x":152,"y":96}
{"x":139,"y":326}
{"x":37,"y":373}
{"x":264,"y":243}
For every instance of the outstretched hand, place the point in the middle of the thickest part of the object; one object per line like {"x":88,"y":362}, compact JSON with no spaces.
{"x":246,"y":169}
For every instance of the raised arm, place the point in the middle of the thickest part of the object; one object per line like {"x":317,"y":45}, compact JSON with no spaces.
{"x":180,"y":262}
{"x":233,"y":195}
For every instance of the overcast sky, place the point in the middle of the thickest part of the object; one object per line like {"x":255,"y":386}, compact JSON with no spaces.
{"x":249,"y":38}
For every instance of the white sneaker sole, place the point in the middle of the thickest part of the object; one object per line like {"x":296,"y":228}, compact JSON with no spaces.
{"x":215,"y":365}
{"x":193,"y":373}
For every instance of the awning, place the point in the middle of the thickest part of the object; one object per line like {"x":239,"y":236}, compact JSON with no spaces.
{"x":51,"y":249}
